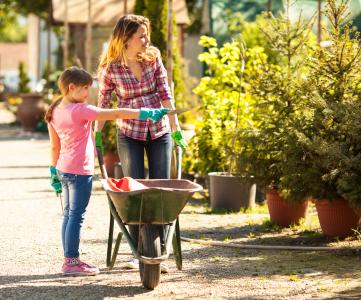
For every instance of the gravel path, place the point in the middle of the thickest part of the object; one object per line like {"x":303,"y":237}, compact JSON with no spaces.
{"x":31,"y":255}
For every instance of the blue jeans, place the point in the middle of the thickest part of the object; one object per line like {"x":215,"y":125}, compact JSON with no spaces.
{"x":131,"y":155}
{"x":76,"y":191}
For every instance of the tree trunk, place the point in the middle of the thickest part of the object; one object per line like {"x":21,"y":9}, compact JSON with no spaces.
{"x":269,"y":6}
{"x":66,"y":36}
{"x":125,"y":7}
{"x":88,"y":51}
{"x":48,"y":47}
{"x":170,"y":43}
{"x":319,"y":20}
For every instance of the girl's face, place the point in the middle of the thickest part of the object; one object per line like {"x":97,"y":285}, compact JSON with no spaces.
{"x":78,"y":93}
{"x":139,"y":41}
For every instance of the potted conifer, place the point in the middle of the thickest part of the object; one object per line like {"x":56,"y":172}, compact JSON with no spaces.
{"x":328,"y":143}
{"x":269,"y":139}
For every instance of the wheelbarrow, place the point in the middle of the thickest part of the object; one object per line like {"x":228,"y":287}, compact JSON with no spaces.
{"x":156,"y":202}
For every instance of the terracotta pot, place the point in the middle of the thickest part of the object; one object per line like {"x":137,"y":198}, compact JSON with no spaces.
{"x":110,"y":160}
{"x":230,"y":192}
{"x":30,"y":110}
{"x":285,"y":213}
{"x":337,"y":218}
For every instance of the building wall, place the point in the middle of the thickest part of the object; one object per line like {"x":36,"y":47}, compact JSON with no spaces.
{"x":11,"y":54}
{"x":191,"y":51}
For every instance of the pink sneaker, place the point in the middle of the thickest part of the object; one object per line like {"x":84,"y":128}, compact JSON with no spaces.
{"x":75,"y":267}
{"x":86,"y":265}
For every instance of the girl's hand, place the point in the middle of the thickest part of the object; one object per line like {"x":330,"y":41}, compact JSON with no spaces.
{"x":55,"y":181}
{"x":155,"y":114}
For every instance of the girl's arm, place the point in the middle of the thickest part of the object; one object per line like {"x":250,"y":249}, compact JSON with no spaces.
{"x":118,"y":113}
{"x":54,"y":145}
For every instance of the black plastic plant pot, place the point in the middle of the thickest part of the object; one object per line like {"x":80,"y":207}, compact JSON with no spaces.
{"x":230,"y":192}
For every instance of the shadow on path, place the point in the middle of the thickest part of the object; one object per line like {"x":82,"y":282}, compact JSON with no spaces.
{"x":30,"y":287}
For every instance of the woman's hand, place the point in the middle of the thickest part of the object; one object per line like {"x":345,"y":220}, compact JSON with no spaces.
{"x":178,"y":138}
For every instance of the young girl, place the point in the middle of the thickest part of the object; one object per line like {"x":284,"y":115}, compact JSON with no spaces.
{"x":72,"y":155}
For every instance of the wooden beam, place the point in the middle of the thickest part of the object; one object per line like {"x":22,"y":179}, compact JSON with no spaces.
{"x":88,"y":38}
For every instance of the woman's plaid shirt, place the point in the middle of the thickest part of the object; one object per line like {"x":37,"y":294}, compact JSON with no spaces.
{"x":131,"y":93}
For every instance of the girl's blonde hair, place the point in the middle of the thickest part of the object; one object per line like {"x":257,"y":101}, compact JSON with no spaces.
{"x":74,"y":75}
{"x":125,"y":28}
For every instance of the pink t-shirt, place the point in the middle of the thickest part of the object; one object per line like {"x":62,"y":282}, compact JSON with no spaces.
{"x":73,"y":124}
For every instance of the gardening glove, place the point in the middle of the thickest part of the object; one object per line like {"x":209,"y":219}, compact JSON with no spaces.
{"x":179,"y":139}
{"x":55,"y":181}
{"x":99,"y":141}
{"x":155,"y":114}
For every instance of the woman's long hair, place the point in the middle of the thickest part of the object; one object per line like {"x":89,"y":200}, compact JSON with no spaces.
{"x":125,"y":28}
{"x":74,"y":75}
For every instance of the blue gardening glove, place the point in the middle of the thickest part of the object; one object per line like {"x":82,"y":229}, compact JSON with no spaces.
{"x":179,"y":139}
{"x":155,"y":114}
{"x":99,"y":141}
{"x":55,"y":181}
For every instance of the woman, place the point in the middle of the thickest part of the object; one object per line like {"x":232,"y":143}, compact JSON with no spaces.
{"x":134,"y":71}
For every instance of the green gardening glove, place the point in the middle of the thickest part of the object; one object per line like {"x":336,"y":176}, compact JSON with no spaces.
{"x":179,"y":139}
{"x":99,"y":141}
{"x":55,"y":181}
{"x":155,"y":114}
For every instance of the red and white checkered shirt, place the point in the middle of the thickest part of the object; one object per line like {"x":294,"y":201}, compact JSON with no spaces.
{"x":131,"y":93}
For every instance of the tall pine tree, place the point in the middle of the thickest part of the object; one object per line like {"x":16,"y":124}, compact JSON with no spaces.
{"x":156,"y":12}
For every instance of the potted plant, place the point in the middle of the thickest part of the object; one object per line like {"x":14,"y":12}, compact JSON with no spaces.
{"x":110,"y":156}
{"x":224,"y":108}
{"x":31,"y":109}
{"x":329,"y":142}
{"x":268,"y":140}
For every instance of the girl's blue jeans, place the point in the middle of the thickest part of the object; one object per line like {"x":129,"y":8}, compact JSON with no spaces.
{"x":131,"y":155}
{"x":76,"y":195}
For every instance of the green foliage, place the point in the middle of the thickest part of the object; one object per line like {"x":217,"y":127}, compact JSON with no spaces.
{"x":23,"y":79}
{"x":281,"y":106}
{"x":24,"y":7}
{"x":195,"y":9}
{"x":10,"y":29}
{"x":157,"y":12}
{"x":110,"y":131}
{"x":220,"y":93}
{"x":110,"y":136}
{"x":331,"y":139}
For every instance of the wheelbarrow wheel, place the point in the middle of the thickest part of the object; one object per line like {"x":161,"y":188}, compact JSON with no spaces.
{"x":149,"y":247}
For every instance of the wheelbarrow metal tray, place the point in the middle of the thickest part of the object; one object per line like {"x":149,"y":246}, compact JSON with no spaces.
{"x":160,"y":203}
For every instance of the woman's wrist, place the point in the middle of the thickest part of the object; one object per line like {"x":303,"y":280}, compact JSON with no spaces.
{"x":175,"y":126}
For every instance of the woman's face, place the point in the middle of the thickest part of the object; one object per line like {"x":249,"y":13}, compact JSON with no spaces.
{"x":139,"y":41}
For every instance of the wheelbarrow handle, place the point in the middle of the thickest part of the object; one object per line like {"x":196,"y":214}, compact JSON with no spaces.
{"x":179,"y":153}
{"x":103,"y":170}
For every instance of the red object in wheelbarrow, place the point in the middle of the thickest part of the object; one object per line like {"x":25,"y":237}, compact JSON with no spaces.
{"x":147,"y":202}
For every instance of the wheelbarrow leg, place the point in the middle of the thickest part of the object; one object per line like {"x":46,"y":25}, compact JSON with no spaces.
{"x":177,"y":249}
{"x":110,"y":239}
{"x":115,"y":251}
{"x":111,"y":258}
